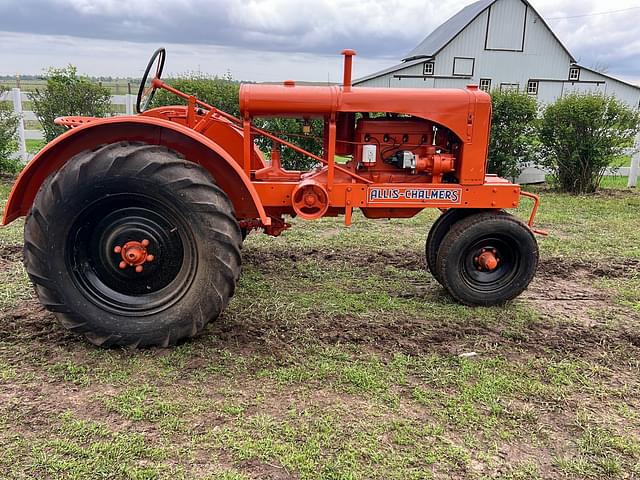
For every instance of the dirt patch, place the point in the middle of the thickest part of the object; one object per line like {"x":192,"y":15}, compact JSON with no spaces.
{"x":371,"y":259}
{"x":414,"y":261}
{"x":29,"y":321}
{"x":10,"y":253}
{"x":566,"y":295}
{"x":575,"y":316}
{"x":613,"y":193}
{"x":414,"y":336}
{"x":565,"y":289}
{"x":264,"y":470}
{"x":564,"y":268}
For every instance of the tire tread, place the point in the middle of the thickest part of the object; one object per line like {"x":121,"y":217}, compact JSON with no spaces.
{"x":165,"y":168}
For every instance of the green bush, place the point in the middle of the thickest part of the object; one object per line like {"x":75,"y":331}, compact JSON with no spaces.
{"x":8,"y":139}
{"x":67,"y":93}
{"x":513,"y":132}
{"x":581,"y":135}
{"x":223,"y":93}
{"x":290,"y":129}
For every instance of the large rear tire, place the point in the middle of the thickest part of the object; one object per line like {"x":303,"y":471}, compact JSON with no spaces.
{"x":488,"y":258}
{"x":131,"y":245}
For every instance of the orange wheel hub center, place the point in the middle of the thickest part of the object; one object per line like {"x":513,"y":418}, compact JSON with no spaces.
{"x":310,"y":199}
{"x":134,"y":254}
{"x":487,"y":260}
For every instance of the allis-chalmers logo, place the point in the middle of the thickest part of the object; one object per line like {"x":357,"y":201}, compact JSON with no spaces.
{"x":415,"y":195}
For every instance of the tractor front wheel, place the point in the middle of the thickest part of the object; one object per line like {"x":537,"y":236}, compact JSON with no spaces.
{"x":132,"y":245}
{"x":487,"y":258}
{"x":438,"y":230}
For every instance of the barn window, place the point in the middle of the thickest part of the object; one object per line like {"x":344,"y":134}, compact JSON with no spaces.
{"x":532,"y":87}
{"x":428,"y":68}
{"x":463,"y":66}
{"x":574,"y":73}
{"x":509,"y":87}
{"x":485,"y":84}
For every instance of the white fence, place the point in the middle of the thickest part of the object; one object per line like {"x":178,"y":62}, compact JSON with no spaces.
{"x":634,"y":169}
{"x":18,"y":98}
{"x":128,"y":101}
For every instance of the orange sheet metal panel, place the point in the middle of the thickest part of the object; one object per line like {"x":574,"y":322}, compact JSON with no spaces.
{"x":418,"y":195}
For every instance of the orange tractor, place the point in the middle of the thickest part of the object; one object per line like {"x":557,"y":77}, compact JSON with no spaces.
{"x":135,"y":223}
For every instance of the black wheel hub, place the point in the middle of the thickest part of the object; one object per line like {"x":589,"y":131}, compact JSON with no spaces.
{"x":98,"y":265}
{"x":501,"y":268}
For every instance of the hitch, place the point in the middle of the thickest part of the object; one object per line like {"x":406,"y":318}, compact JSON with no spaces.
{"x":534,"y":211}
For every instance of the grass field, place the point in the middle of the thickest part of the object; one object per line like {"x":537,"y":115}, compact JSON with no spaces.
{"x":341,"y":358}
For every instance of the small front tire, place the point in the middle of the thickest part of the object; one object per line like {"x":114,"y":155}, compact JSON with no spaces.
{"x":438,"y":230}
{"x":488,"y":258}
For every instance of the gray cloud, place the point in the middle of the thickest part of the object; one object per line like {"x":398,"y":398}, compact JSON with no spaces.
{"x":378,"y":29}
{"x":371,"y":26}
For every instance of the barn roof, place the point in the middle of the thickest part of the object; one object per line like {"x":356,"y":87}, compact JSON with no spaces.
{"x":628,"y":84}
{"x":441,"y":36}
{"x":445,"y":33}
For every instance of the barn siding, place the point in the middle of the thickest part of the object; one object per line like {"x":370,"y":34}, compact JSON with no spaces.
{"x":624,"y":92}
{"x":542,"y":56}
{"x":548,"y":92}
{"x":410,"y":82}
{"x":382,"y":81}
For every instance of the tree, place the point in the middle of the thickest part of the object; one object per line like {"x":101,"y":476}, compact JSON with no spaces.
{"x":581,"y":135}
{"x":68,"y":93}
{"x":8,"y":139}
{"x":223,"y":93}
{"x":513,"y":132}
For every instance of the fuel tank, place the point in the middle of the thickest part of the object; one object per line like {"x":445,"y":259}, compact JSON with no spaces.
{"x":302,"y":100}
{"x":288,"y":99}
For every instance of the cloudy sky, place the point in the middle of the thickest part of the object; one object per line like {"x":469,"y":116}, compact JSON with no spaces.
{"x":277,"y":39}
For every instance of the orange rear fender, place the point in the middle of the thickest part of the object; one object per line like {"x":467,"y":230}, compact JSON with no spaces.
{"x":156,"y":131}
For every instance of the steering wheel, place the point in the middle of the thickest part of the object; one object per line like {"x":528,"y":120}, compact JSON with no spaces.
{"x":147,"y":90}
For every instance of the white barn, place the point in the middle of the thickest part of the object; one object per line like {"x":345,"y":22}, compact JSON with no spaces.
{"x":499,"y":44}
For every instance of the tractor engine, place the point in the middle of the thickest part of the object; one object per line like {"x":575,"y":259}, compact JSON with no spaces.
{"x":412,"y":145}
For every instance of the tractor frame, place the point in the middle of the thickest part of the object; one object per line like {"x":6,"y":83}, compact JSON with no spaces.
{"x":388,"y":152}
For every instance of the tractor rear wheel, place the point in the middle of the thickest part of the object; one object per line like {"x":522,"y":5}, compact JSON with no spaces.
{"x":438,"y":230}
{"x":131,"y":245}
{"x":487,"y":258}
